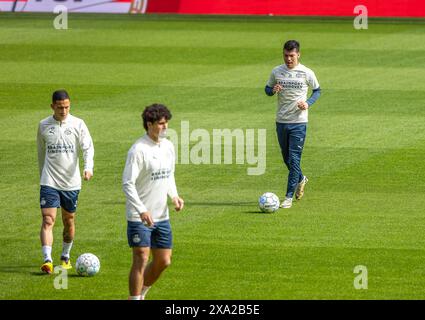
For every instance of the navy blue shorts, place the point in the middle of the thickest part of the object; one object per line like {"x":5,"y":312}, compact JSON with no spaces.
{"x":157,"y":237}
{"x":52,"y":198}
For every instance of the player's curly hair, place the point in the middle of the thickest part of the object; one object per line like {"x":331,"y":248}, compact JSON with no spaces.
{"x":155,"y":112}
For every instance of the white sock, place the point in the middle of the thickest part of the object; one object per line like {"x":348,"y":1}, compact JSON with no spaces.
{"x":134,"y":298}
{"x":66,"y":249}
{"x":47,"y":253}
{"x":145,"y":290}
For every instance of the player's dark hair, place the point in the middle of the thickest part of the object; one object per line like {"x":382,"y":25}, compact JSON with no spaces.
{"x":291,"y":45}
{"x":59,"y":95}
{"x":155,"y":112}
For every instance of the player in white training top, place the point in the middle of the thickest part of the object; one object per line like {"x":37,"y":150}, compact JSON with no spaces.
{"x":148,"y":179}
{"x":291,"y":81}
{"x":60,"y":137}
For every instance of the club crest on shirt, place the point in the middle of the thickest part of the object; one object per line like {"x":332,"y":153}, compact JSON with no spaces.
{"x":68,"y":131}
{"x":136,"y":238}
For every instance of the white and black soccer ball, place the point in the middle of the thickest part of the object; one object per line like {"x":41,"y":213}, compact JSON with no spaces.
{"x":87,"y":264}
{"x":268,"y":202}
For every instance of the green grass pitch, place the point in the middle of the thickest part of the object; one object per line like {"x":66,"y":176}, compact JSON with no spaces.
{"x":364,"y":154}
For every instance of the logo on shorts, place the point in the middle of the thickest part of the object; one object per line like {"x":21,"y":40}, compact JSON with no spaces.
{"x":43,"y":201}
{"x":136,"y":238}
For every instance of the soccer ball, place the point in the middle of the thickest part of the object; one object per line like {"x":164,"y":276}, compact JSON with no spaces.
{"x":268,"y":202}
{"x":87,"y":265}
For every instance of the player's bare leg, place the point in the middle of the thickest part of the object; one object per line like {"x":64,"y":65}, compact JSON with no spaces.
{"x":140,"y":261}
{"x":161,"y":259}
{"x":68,"y":220}
{"x":68,"y":225}
{"x":46,"y":232}
{"x":46,"y":237}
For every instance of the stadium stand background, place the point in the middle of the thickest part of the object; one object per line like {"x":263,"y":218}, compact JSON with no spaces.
{"x":376,"y":8}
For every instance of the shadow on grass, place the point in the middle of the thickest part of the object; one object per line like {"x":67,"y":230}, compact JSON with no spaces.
{"x":34,"y":271}
{"x":201,"y":204}
{"x":39,"y":273}
{"x":20,"y":269}
{"x":74,"y":275}
{"x":253,"y":212}
{"x":225,"y":204}
{"x":209,"y":204}
{"x":220,"y":203}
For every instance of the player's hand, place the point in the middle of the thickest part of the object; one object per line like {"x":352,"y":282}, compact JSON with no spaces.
{"x":147,"y":219}
{"x":302,"y":105}
{"x":277,"y":88}
{"x":178,"y":203}
{"x":87,"y":175}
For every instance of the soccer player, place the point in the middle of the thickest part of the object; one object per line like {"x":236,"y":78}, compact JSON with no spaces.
{"x":59,"y":139}
{"x":290,"y":81}
{"x":147,"y":180}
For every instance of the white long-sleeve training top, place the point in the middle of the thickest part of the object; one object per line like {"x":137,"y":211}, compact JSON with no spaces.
{"x":295,"y":83}
{"x":58,"y":146}
{"x":148,"y":178}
